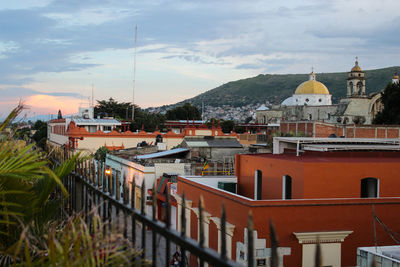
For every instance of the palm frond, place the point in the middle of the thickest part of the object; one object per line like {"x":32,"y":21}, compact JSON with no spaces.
{"x":13,"y":114}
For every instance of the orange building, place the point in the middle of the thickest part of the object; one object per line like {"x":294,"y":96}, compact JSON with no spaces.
{"x":340,"y":197}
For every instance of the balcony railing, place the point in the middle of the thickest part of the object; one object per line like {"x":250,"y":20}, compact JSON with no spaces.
{"x":89,"y":188}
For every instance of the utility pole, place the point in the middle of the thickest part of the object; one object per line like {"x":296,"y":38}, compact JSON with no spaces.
{"x":134,"y":77}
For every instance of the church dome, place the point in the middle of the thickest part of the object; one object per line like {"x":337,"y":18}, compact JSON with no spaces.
{"x":356,"y":68}
{"x":311,"y":87}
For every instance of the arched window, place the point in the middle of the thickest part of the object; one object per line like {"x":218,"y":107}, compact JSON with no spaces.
{"x":369,"y":187}
{"x":264,"y":119}
{"x":286,"y":187}
{"x":359,"y":86}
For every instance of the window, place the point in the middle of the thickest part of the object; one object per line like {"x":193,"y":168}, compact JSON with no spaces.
{"x":369,"y":187}
{"x":258,"y":185}
{"x":307,"y":99}
{"x":286,"y":187}
{"x":106,"y":128}
{"x":310,"y":116}
{"x":320,"y":100}
{"x":329,"y":116}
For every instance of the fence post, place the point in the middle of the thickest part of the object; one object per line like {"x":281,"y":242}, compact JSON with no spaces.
{"x":143,"y":212}
{"x":154,"y":212}
{"x":201,"y":226}
{"x":250,"y":240}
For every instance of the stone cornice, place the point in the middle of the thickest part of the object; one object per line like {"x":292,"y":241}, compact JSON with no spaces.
{"x":322,"y":237}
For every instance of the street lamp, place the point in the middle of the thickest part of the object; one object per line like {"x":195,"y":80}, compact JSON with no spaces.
{"x":108,"y":172}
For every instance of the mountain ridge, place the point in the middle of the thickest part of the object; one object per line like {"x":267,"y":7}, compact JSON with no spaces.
{"x":274,"y":88}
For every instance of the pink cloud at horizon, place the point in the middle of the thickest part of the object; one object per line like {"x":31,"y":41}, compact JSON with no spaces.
{"x":46,"y":104}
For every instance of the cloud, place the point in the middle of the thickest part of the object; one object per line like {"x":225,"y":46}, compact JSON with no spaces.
{"x":199,"y":43}
{"x":45,"y":104}
{"x":21,"y":92}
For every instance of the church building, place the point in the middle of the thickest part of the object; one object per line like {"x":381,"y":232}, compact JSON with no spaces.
{"x":312,"y":101}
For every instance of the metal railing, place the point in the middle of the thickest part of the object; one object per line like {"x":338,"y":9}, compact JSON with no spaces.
{"x":90,"y":189}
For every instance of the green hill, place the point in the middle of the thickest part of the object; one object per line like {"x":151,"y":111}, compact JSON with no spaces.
{"x":276,"y":87}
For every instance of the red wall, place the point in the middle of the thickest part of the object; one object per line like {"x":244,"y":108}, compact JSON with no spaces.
{"x":319,"y":175}
{"x":300,"y":216}
{"x":272,"y":172}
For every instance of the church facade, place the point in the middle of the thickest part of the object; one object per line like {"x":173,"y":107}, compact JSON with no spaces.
{"x":312,"y":101}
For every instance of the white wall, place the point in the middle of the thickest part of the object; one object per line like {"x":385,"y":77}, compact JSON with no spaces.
{"x":212,"y":181}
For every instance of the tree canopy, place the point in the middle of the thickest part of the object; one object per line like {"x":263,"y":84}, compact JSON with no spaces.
{"x":123,"y":111}
{"x":111,"y":108}
{"x":185,"y":112}
{"x":40,"y":135}
{"x":391,"y":108}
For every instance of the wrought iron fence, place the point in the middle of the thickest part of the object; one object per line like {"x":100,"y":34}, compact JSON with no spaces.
{"x":90,"y":189}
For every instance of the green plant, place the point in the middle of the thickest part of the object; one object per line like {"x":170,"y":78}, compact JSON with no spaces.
{"x":30,"y":232}
{"x":76,"y":243}
{"x":101,"y":153}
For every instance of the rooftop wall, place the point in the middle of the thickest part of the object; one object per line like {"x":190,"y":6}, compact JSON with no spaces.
{"x":297,"y":216}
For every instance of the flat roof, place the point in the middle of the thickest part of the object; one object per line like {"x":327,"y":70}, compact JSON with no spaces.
{"x":81,"y":121}
{"x":338,"y":156}
{"x":162,"y":153}
{"x":228,"y":142}
{"x":338,"y":140}
{"x":339,"y":147}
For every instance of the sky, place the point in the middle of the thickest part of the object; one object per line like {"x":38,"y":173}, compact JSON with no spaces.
{"x":52,"y":53}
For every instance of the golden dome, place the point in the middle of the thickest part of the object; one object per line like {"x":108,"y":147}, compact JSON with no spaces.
{"x":356,"y":68}
{"x":311,"y":87}
{"x":396,"y":77}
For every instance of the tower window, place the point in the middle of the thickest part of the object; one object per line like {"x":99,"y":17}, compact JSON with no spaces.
{"x":359,"y":75}
{"x":320,"y":100}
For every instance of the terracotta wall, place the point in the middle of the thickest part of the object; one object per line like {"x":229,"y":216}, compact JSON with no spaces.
{"x":272,"y":172}
{"x":300,"y":216}
{"x":313,"y":177}
{"x":350,"y":131}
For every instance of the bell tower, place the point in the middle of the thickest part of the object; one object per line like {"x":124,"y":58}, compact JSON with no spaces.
{"x":356,"y":82}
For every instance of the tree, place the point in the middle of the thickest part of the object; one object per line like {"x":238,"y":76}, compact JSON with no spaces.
{"x":40,"y":136}
{"x":248,"y":120}
{"x":111,"y":108}
{"x":101,"y":153}
{"x":123,"y":110}
{"x":185,"y":112}
{"x":149,"y":121}
{"x":391,"y":108}
{"x":227,"y":126}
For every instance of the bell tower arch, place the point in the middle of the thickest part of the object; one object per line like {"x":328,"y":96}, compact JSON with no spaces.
{"x":356,"y":82}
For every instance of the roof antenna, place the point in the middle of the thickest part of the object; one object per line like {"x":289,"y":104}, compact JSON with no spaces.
{"x":134,"y":77}
{"x":92,"y":95}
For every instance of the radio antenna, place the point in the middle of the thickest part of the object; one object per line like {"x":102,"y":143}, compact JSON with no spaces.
{"x":134,"y":77}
